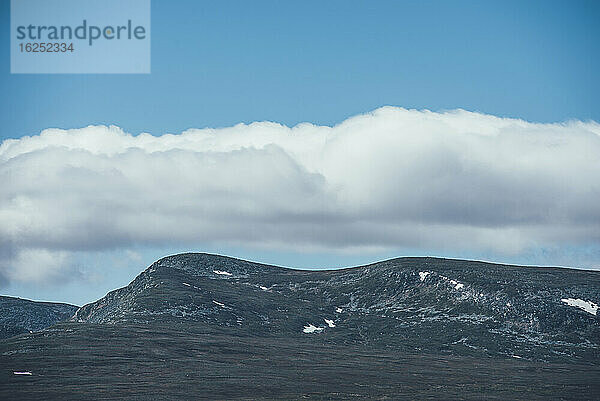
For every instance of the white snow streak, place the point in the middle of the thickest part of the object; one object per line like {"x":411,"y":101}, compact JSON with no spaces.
{"x":456,"y":284}
{"x":423,"y":275}
{"x":223,"y":273}
{"x":312,"y":328}
{"x":587,"y":306}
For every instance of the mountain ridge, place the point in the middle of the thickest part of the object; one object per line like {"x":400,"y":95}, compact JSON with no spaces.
{"x":411,"y":295}
{"x":19,"y":315}
{"x":407,"y":328}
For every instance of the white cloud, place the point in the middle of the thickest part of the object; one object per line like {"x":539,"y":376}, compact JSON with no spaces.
{"x":388,"y":179}
{"x":38,"y":266}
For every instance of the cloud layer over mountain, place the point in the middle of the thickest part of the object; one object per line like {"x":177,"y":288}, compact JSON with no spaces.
{"x":391,"y":178}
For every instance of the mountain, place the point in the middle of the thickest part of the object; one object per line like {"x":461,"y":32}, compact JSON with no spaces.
{"x":423,"y":303}
{"x":405,"y":328}
{"x":19,"y":316}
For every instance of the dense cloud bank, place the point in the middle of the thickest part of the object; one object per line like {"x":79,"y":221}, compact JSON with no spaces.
{"x":388,"y":179}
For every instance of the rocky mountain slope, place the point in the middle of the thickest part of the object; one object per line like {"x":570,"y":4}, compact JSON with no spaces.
{"x":213,"y":327}
{"x":19,"y":316}
{"x":454,"y":306}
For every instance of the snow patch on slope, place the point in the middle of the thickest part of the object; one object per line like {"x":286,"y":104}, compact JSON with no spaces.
{"x":587,"y":306}
{"x":219,"y":303}
{"x":423,"y":275}
{"x":311,"y":328}
{"x":456,"y":284}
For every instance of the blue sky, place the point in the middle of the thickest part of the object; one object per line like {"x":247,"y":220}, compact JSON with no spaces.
{"x":221,"y":63}
{"x":216,"y":64}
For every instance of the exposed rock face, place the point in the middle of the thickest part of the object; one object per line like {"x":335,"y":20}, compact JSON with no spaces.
{"x":451,"y":306}
{"x":205,"y":326}
{"x":19,"y":316}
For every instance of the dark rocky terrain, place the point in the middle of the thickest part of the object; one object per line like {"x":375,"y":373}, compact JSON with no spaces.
{"x":197,"y":326}
{"x":18,"y":316}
